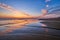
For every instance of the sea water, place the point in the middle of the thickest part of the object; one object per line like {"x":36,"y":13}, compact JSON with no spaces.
{"x":29,"y":29}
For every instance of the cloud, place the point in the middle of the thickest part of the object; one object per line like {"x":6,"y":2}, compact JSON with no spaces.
{"x":52,"y":16}
{"x":47,"y":0}
{"x":15,"y":13}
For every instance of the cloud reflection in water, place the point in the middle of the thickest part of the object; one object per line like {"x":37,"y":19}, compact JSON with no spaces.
{"x":7,"y":26}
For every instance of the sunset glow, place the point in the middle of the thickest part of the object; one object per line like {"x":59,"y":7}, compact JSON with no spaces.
{"x":15,"y":13}
{"x":23,"y":9}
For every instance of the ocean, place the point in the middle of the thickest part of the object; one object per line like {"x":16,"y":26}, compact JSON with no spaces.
{"x":27,"y":29}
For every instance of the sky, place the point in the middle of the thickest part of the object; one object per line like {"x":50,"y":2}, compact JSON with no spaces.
{"x":31,"y":7}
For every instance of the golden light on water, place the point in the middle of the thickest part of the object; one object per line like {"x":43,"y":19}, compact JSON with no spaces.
{"x":15,"y":24}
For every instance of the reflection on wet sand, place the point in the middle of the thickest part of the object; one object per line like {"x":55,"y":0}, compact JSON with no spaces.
{"x":51,"y":24}
{"x":27,"y":30}
{"x":11,"y":25}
